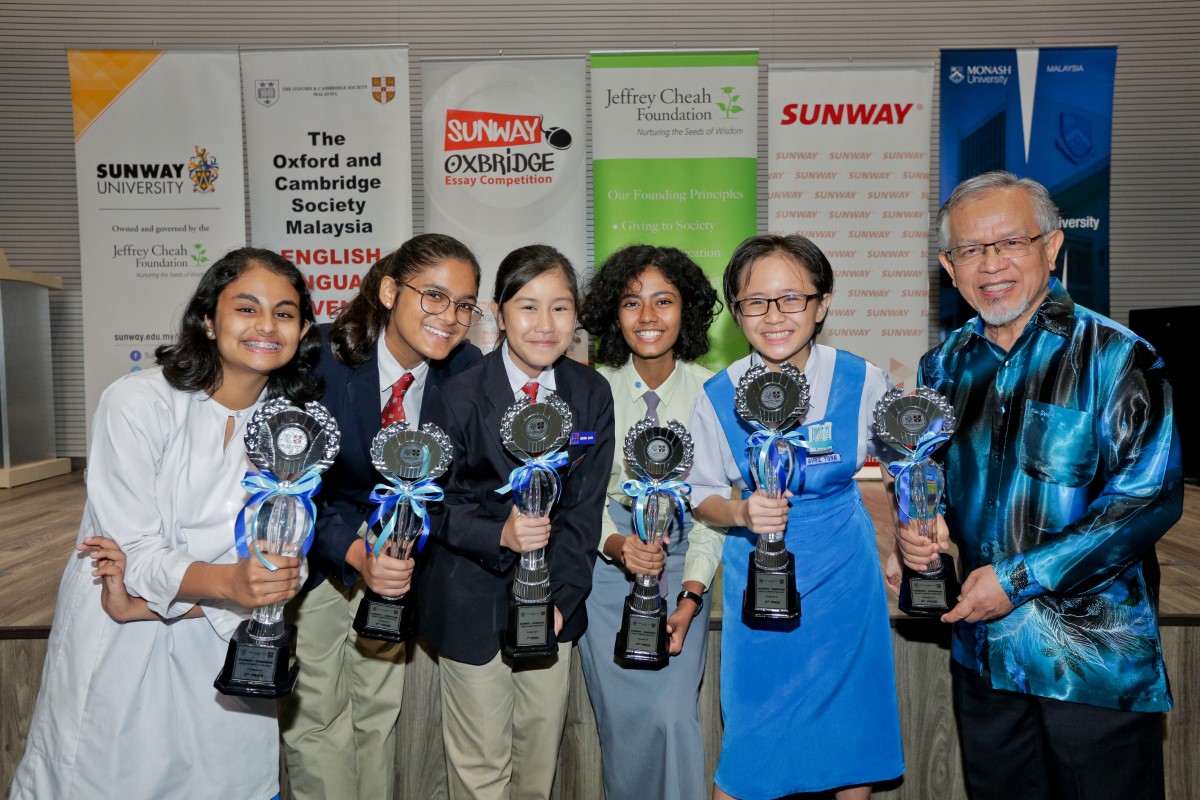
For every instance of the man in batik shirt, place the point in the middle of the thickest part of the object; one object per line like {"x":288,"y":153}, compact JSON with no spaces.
{"x":1062,"y":475}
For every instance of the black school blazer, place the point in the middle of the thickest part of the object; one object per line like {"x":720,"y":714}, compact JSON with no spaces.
{"x":465,"y":575}
{"x":352,"y":397}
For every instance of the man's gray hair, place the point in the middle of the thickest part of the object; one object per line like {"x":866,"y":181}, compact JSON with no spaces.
{"x":1044,"y":209}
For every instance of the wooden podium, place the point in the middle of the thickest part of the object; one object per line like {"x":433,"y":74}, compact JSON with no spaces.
{"x":27,"y":448}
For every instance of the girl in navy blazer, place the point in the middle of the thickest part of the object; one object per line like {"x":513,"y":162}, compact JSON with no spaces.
{"x":502,"y":721}
{"x":384,"y":355}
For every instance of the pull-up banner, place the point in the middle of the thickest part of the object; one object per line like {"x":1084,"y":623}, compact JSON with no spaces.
{"x":158,"y":154}
{"x":505,"y":155}
{"x":849,"y":169}
{"x":1044,"y":114}
{"x":327,"y":137}
{"x":675,"y":161}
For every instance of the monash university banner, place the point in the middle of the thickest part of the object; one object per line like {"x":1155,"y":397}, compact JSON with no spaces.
{"x":505,"y":156}
{"x":327,"y":138}
{"x":849,"y":169}
{"x":1044,"y":114}
{"x":675,"y":146}
{"x":158,"y":155}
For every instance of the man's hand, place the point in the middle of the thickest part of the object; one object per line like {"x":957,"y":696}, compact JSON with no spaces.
{"x":982,"y":598}
{"x":525,"y":534}
{"x":915,"y":550}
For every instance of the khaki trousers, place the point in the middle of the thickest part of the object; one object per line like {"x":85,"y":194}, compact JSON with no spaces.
{"x":502,"y":726}
{"x":339,"y":723}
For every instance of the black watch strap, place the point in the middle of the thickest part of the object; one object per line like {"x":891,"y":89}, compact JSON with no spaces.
{"x":695,"y":598}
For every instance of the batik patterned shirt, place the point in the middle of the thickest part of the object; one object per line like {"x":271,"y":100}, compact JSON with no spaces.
{"x":1063,"y":473}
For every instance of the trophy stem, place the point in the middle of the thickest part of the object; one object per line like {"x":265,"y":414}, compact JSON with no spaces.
{"x":770,"y":552}
{"x":282,"y":535}
{"x":923,"y":504}
{"x":532,"y":583}
{"x":400,"y":545}
{"x":646,"y":597}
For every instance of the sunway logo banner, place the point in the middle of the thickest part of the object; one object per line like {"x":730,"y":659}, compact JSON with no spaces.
{"x":846,"y":113}
{"x":468,"y":130}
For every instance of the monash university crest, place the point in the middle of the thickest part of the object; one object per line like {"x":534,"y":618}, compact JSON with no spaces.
{"x":957,"y":75}
{"x":383,"y":89}
{"x":1075,"y":139}
{"x":267,"y":92}
{"x":203,"y":170}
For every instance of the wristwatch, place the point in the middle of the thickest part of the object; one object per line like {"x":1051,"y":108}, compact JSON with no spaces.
{"x":695,"y":598}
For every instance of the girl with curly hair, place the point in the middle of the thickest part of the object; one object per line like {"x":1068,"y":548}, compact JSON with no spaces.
{"x":649,"y":309}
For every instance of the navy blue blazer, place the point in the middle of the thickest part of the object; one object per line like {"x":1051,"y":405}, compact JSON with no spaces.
{"x":465,"y":573}
{"x":352,"y":397}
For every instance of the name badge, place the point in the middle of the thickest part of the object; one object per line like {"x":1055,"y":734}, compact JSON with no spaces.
{"x":831,"y":458}
{"x":583,"y":437}
{"x":820,"y":439}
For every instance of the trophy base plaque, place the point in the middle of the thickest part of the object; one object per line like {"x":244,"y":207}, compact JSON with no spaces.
{"x":931,"y":593}
{"x":771,"y":595}
{"x":386,"y":618}
{"x":258,"y":669}
{"x":642,"y":641}
{"x":529,"y":632}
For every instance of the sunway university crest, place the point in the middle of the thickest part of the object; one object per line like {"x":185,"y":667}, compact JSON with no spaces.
{"x":203,"y":170}
{"x":267,"y":92}
{"x":383,"y":89}
{"x":956,"y":75}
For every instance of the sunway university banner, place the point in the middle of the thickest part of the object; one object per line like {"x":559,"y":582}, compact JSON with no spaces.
{"x":849,"y":169}
{"x":327,"y":137}
{"x":158,"y":159}
{"x":674,"y":161}
{"x":505,"y":153}
{"x":1044,"y":114}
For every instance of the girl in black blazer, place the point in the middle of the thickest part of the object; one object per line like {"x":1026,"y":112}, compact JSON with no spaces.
{"x":502,"y":721}
{"x":409,"y":318}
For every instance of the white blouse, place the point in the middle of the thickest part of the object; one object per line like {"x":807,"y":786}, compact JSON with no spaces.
{"x":129,"y":710}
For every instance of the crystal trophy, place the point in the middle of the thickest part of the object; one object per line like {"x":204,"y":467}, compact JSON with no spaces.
{"x":659,"y":456}
{"x":535,"y":433}
{"x":772,"y":402}
{"x":411,"y":460}
{"x":291,"y":447}
{"x":916,"y":424}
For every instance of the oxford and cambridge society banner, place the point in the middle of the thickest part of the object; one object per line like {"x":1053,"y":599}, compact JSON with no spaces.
{"x":674,"y":161}
{"x":849,"y":169}
{"x":1044,"y":114}
{"x":505,"y":157}
{"x":158,"y":154}
{"x":327,"y":138}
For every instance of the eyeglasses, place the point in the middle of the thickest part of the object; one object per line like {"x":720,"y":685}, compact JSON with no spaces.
{"x":1012,"y":247}
{"x":787,"y":304}
{"x":435,"y":302}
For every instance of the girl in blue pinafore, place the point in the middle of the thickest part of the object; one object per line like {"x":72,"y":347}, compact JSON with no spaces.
{"x":811,"y":708}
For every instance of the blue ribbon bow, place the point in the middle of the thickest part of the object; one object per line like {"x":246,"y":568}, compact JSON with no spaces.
{"x":767,"y":458}
{"x":640,"y":491}
{"x":264,"y":486}
{"x":388,"y":497}
{"x":922,"y":452}
{"x":521,"y":477}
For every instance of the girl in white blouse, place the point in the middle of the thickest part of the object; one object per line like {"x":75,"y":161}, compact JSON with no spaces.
{"x":127,"y":706}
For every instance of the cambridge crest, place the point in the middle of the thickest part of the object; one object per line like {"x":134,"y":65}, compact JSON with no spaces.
{"x":383,"y":89}
{"x":203,"y":170}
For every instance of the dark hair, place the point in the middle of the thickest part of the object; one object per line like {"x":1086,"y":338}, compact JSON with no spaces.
{"x":523,"y":265}
{"x":803,"y":251}
{"x":358,"y":326}
{"x":193,"y":363}
{"x":600,"y":314}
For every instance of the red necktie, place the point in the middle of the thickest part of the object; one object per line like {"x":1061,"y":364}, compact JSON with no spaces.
{"x":530,"y":390}
{"x":394,"y":410}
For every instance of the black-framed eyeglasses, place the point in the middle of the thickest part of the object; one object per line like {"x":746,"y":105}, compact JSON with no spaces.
{"x":786,"y":303}
{"x":1010,"y":247}
{"x":434,"y":301}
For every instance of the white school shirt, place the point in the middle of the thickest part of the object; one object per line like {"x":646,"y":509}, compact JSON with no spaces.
{"x":715,"y":469}
{"x":517,"y":379}
{"x":129,"y":710}
{"x":391,"y":371}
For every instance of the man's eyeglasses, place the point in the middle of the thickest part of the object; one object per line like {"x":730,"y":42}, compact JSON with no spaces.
{"x":787,"y":304}
{"x":1012,"y":247}
{"x":435,"y":302}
